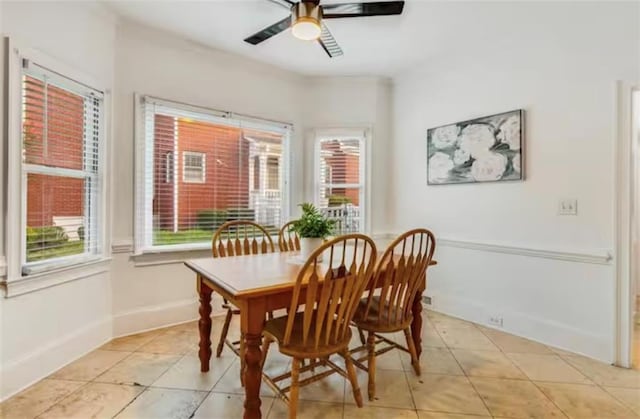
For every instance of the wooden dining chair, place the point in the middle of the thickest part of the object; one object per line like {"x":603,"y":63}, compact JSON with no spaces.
{"x":400,"y":275}
{"x":288,"y":240}
{"x":325,"y":298}
{"x":235,"y":238}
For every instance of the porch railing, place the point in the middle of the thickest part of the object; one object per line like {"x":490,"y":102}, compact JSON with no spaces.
{"x":346,"y":217}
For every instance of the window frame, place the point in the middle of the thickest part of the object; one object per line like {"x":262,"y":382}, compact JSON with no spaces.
{"x":364,"y":137}
{"x":41,"y":274}
{"x":143,"y":213}
{"x":202,"y":168}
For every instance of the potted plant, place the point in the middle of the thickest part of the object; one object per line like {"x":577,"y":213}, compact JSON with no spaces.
{"x":312,"y":227}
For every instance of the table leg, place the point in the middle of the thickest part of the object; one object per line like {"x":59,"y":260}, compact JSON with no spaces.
{"x":416,"y":324}
{"x":252,"y":323}
{"x":204,"y":324}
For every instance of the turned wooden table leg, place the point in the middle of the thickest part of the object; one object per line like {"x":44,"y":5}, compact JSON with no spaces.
{"x":204,"y":324}
{"x":252,"y":323}
{"x":416,"y":324}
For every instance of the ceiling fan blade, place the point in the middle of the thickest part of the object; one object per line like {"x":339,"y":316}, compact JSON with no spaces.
{"x":284,"y":3}
{"x":328,"y":43}
{"x":380,"y":8}
{"x":270,"y":31}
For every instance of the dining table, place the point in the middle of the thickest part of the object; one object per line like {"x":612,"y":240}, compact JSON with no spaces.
{"x":257,"y":284}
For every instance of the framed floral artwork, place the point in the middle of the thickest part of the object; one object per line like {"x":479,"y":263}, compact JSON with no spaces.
{"x":487,"y":149}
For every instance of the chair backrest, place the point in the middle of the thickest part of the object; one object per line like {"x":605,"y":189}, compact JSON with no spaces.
{"x":399,"y":276}
{"x":330,"y":289}
{"x":240,"y":237}
{"x":288,"y":240}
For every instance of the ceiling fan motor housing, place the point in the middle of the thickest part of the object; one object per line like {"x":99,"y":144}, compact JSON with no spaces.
{"x":306,"y":11}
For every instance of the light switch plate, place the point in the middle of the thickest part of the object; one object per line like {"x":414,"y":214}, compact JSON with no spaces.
{"x":568,"y":207}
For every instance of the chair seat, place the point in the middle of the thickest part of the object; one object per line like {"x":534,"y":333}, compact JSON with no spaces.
{"x":296,"y":348}
{"x":377,"y":322}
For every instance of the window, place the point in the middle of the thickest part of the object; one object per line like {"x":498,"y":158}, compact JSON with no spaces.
{"x":61,"y":125}
{"x":224,"y":160}
{"x":340,"y":180}
{"x":193,"y":167}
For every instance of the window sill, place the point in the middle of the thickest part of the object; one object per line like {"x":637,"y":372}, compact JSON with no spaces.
{"x":176,"y":254}
{"x":159,"y":256}
{"x":38,"y":281}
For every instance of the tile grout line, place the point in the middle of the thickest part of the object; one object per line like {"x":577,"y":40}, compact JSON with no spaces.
{"x":463,"y":370}
{"x":593,"y":382}
{"x":628,"y":406}
{"x":146,"y":388}
{"x":84,"y":385}
{"x":130,"y":354}
{"x":525,"y":374}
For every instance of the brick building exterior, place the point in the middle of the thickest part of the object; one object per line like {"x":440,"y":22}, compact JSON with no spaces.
{"x":225,"y":181}
{"x":52,"y":196}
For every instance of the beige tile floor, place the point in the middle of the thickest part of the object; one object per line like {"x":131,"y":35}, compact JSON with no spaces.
{"x":468,"y":371}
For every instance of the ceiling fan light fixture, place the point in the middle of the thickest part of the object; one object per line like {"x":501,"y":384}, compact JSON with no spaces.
{"x":306,"y":29}
{"x":306,"y":17}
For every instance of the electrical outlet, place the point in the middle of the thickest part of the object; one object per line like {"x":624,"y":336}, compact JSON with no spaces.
{"x":496,"y":321}
{"x":568,"y":207}
{"x":426,"y":299}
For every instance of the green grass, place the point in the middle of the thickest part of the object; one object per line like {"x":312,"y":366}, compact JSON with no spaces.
{"x":163,"y":237}
{"x":64,"y":249}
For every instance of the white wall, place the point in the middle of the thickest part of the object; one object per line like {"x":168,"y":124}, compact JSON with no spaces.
{"x":42,"y":331}
{"x":160,"y":64}
{"x":560,"y":65}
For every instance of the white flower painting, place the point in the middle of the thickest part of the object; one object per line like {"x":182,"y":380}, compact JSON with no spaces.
{"x":487,"y":149}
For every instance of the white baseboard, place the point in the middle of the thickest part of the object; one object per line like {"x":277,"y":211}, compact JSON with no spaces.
{"x":43,"y":361}
{"x":540,"y":330}
{"x":162,"y":315}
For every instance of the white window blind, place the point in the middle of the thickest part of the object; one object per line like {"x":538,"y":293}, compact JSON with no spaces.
{"x":61,"y":131}
{"x":224,"y":167}
{"x":340,"y":178}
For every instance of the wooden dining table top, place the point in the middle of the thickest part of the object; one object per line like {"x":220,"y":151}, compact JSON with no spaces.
{"x":258,"y":274}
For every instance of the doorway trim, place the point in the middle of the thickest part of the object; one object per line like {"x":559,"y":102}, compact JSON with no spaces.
{"x":624,"y":184}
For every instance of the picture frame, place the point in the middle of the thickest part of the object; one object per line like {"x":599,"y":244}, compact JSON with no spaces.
{"x":484,"y":149}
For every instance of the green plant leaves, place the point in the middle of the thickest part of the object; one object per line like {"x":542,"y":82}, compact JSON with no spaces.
{"x":313,"y":223}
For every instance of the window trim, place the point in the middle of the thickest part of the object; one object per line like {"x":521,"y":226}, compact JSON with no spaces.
{"x":144,"y":160}
{"x":202,"y":168}
{"x":364,"y":134}
{"x":44,"y":274}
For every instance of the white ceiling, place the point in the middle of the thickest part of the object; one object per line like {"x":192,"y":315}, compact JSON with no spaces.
{"x":372,"y":45}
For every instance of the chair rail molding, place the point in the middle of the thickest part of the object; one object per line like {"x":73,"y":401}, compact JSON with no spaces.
{"x":601,"y":257}
{"x":597,"y":257}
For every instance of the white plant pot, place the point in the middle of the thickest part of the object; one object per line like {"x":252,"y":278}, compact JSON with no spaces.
{"x":308,"y":245}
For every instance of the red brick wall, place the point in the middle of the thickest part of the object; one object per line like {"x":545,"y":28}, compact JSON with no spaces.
{"x":226,"y":171}
{"x":163,"y":190}
{"x":49,"y":196}
{"x":226,"y":163}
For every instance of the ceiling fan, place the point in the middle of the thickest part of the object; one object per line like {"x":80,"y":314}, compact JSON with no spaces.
{"x":306,"y":20}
